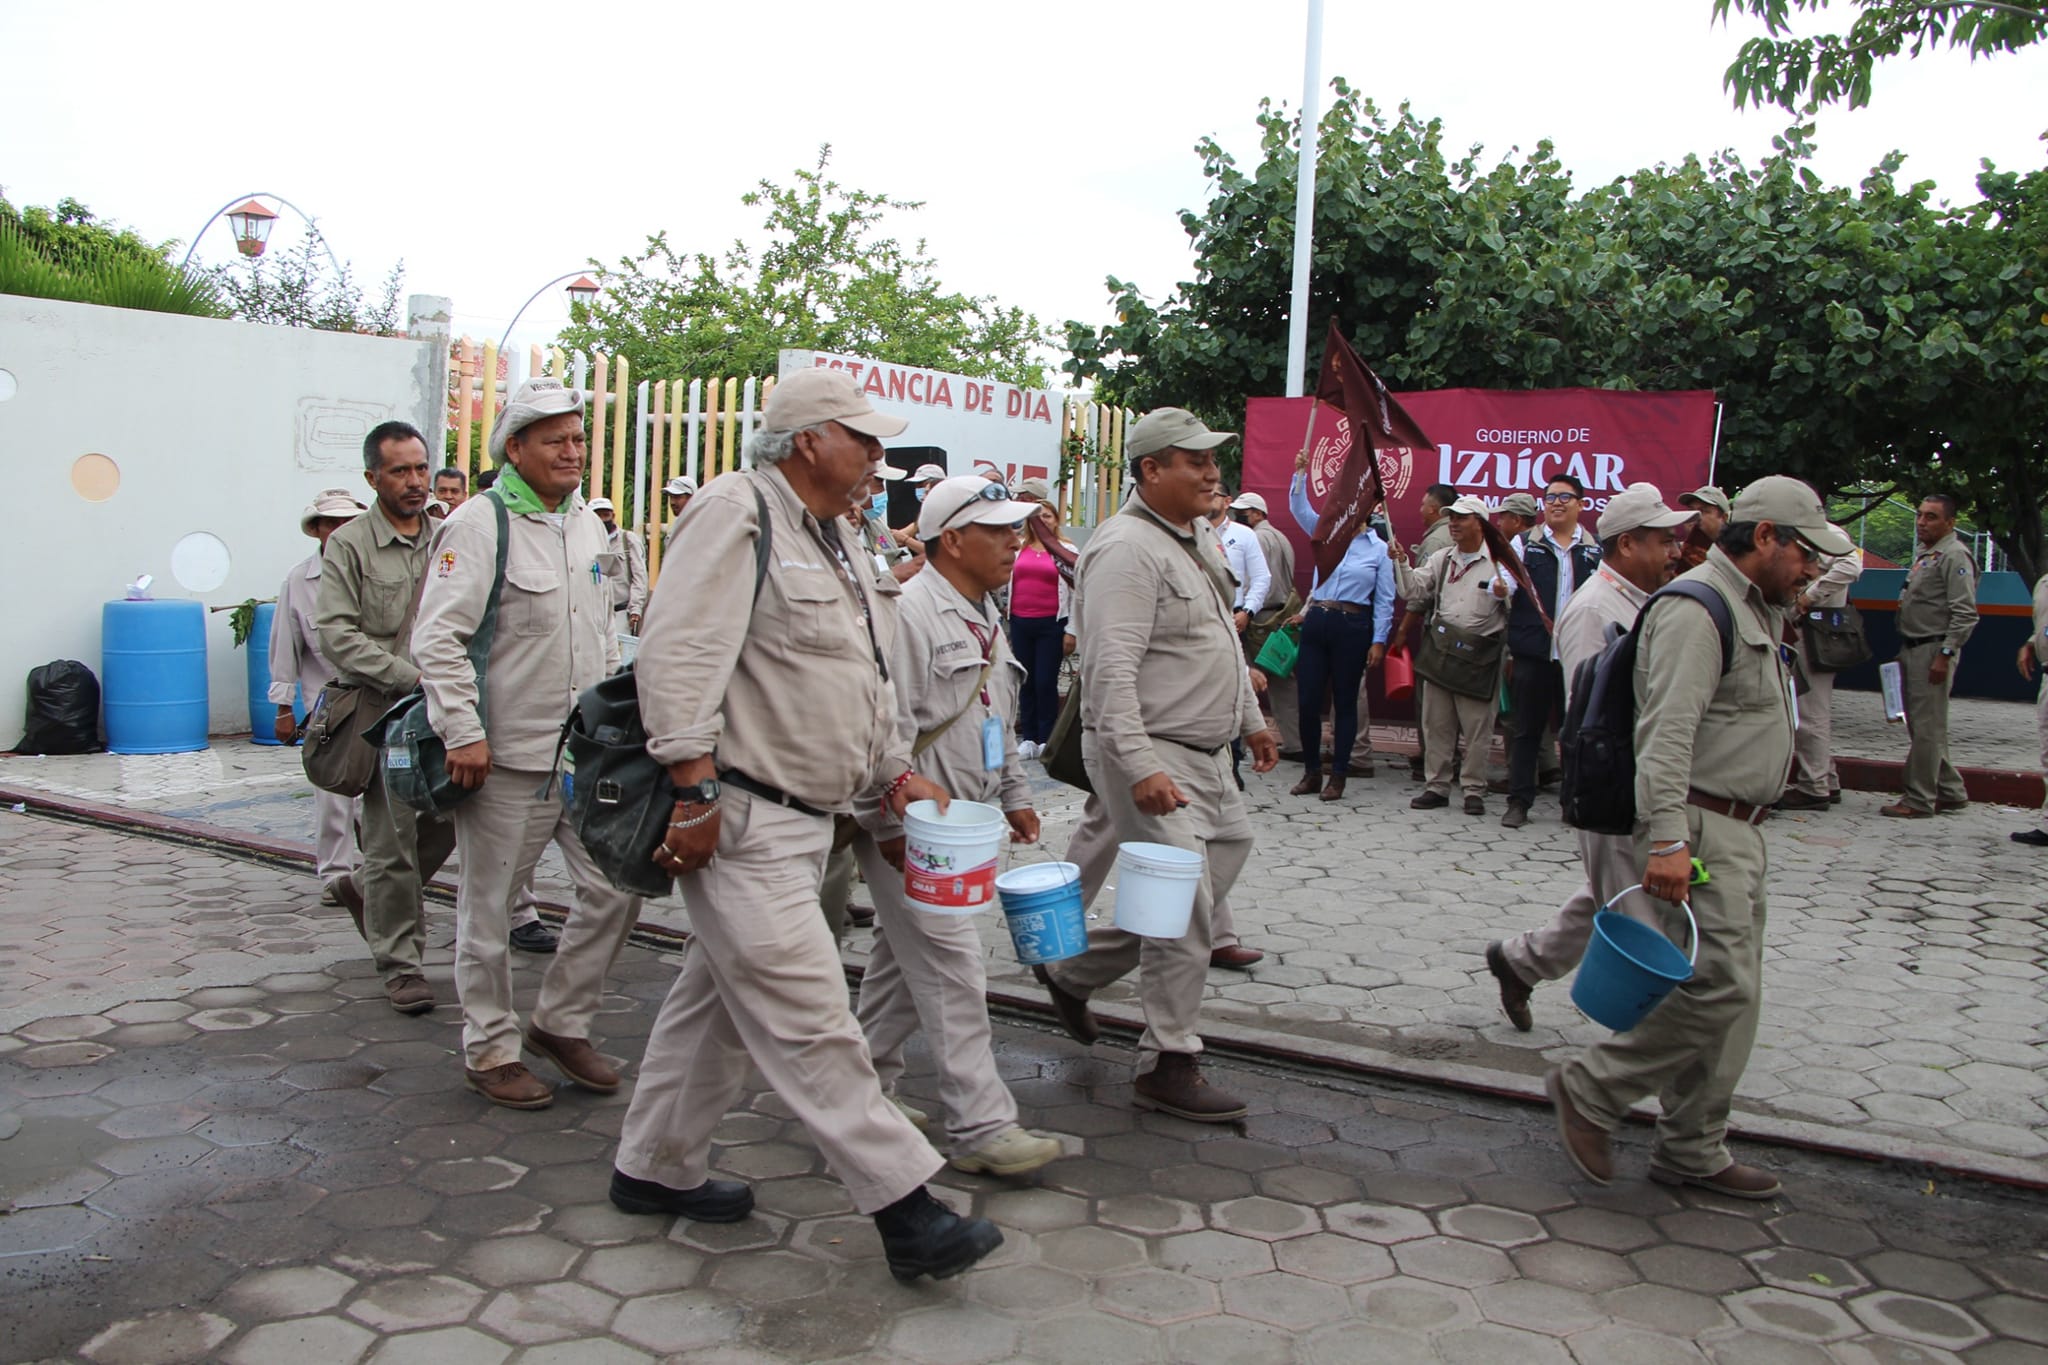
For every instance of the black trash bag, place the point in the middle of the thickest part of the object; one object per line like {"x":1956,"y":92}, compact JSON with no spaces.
{"x":63,"y":710}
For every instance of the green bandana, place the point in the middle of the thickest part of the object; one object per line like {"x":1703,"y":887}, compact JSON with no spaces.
{"x":521,"y":500}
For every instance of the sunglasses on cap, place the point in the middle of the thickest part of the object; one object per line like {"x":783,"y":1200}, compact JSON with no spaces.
{"x":988,"y":492}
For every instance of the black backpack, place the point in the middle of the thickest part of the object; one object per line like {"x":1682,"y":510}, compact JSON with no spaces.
{"x":1598,"y":742}
{"x":617,"y":796}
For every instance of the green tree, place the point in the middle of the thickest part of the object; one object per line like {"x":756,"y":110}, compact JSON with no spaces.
{"x":825,"y":278}
{"x":1791,"y":71}
{"x":306,"y":288}
{"x":1856,"y":336}
{"x":66,"y":253}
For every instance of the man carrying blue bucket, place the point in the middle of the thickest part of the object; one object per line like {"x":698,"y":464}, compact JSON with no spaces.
{"x":1713,"y":747}
{"x":956,"y":691}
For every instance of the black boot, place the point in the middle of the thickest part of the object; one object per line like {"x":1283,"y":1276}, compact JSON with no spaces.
{"x":921,"y":1236}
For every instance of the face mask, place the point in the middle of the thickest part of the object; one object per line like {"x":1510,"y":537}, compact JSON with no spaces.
{"x":920,"y":494}
{"x":877,"y":502}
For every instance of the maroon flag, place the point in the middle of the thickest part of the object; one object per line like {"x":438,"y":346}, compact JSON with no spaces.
{"x":1376,"y":422}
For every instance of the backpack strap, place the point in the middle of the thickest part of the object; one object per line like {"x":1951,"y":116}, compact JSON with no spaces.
{"x":487,"y":628}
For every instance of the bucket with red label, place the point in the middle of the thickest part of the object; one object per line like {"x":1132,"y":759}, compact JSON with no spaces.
{"x":949,"y":860}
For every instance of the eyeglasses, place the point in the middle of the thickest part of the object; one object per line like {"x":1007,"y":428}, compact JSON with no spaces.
{"x":1560,"y":497}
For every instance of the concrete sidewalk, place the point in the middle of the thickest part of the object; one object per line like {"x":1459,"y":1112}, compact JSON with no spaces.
{"x":240,"y":1154}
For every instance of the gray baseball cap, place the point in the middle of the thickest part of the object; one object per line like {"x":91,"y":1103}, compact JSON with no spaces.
{"x":1792,"y":506}
{"x":534,"y":401}
{"x":1709,"y":496}
{"x":1521,"y":505}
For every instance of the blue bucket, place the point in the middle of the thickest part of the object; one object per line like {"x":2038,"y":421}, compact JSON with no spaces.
{"x":1042,"y":906}
{"x":1629,"y":968}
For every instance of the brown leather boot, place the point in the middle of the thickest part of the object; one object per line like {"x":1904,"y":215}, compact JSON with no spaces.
{"x":1333,"y":790}
{"x":511,"y":1085}
{"x":1736,"y":1180}
{"x":574,"y":1058}
{"x":1311,"y":782}
{"x":1175,"y":1086}
{"x":1585,"y":1144}
{"x":1071,"y":1010}
{"x":409,"y":994}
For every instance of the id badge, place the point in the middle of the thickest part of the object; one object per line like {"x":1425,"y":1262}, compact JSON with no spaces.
{"x":992,"y":744}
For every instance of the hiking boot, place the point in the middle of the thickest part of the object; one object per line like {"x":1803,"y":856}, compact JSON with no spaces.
{"x":921,"y":1236}
{"x":574,"y":1058}
{"x":1516,"y":817}
{"x":1735,"y":1180}
{"x":534,"y":936}
{"x":1430,"y":801}
{"x":511,"y":1085}
{"x":1175,"y":1086}
{"x":1796,"y":799}
{"x":409,"y":994}
{"x":1899,"y":810}
{"x":1333,"y":790}
{"x":1013,"y":1151}
{"x":1310,"y":784}
{"x":1475,"y":805}
{"x":349,"y":897}
{"x":1073,"y":1012}
{"x":714,"y":1201}
{"x":1236,"y":957}
{"x":1586,"y":1145}
{"x":1514,"y":992}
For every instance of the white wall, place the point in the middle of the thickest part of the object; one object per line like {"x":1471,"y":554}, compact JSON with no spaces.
{"x":222,"y":427}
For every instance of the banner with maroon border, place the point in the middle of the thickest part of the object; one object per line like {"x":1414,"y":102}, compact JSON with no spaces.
{"x":1489,"y":442}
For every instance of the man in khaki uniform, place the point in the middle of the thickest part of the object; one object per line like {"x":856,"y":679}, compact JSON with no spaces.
{"x":1816,"y":783}
{"x":298,"y":671}
{"x":553,"y":639}
{"x":1459,"y":585}
{"x":1436,"y":535}
{"x":1163,"y":692}
{"x":770,"y":701}
{"x":678,"y":491}
{"x":1937,"y":612}
{"x":956,"y":687}
{"x":2033,"y":654}
{"x":1639,"y":553}
{"x":369,"y":579}
{"x":1712,"y":752}
{"x":629,"y":578}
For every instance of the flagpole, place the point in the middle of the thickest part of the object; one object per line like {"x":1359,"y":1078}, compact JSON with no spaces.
{"x":1305,"y":202}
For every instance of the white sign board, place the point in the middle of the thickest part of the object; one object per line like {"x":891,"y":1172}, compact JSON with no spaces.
{"x":983,"y":425}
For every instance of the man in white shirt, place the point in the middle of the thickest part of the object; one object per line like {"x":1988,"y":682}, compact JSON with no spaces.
{"x":1246,"y":557}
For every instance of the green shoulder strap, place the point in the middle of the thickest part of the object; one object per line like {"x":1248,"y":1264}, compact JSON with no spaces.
{"x":487,"y":629}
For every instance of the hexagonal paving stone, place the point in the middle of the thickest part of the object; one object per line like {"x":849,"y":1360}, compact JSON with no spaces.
{"x":1490,"y":1343}
{"x":1713,"y":1230}
{"x":685,"y":1321}
{"x":229,"y":1020}
{"x":166,"y":1338}
{"x":1157,"y":1296}
{"x":838,"y":1239}
{"x":1215,"y":1255}
{"x":287,"y":1292}
{"x":1269,"y":1220}
{"x":2012,"y":1316}
{"x":585,"y":1353}
{"x":963,"y":1333}
{"x":1784,"y":1314}
{"x":1415,"y":1305}
{"x":1450,"y":1260}
{"x":1028,"y":1290}
{"x":548,"y":1312}
{"x":1035,"y":1210}
{"x":1607,"y":1229}
{"x":453,"y":1346}
{"x":1148,"y":1214}
{"x":1493,"y":1226}
{"x":1336,"y":1260}
{"x":1281,"y":1300}
{"x":1923,"y":1320}
{"x":1709,"y":1272}
{"x":470,"y":1175}
{"x":1538,"y":1307}
{"x":416,"y":1301}
{"x":749,"y":1234}
{"x":1384,"y":1224}
{"x":1090,"y":1251}
{"x":1807,"y":1272}
{"x":1231,"y":1339}
{"x":1090,"y":1337}
{"x":1613,"y":1344}
{"x":769,"y":1276}
{"x":1571,"y":1266}
{"x":1664,"y":1309}
{"x":64,"y":1028}
{"x":1929,"y":1276}
{"x":648,"y":1268}
{"x":323,"y":1338}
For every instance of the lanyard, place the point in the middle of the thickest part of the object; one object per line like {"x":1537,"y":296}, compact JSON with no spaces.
{"x":852,"y":581}
{"x":1458,"y":571}
{"x":988,"y":646}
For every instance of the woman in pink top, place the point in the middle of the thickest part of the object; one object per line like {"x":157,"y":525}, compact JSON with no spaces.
{"x":1039,"y":587}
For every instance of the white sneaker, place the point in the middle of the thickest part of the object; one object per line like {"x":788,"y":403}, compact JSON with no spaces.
{"x":918,"y":1118}
{"x":1010,"y":1152}
{"x":1028,"y":749}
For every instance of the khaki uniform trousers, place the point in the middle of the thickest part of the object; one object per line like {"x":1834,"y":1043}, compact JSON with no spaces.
{"x":334,"y":835}
{"x":763,"y":981}
{"x":402,"y":850}
{"x":1093,"y":850}
{"x":835,"y":891}
{"x":1610,"y":865}
{"x":1448,"y":718}
{"x":504,"y":827}
{"x":1813,"y":757}
{"x":1690,"y":1052}
{"x":925,"y":972}
{"x":1929,"y":774}
{"x":1172,"y":973}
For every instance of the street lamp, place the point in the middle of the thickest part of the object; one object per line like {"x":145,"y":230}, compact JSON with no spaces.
{"x":584,"y":290}
{"x":251,"y":222}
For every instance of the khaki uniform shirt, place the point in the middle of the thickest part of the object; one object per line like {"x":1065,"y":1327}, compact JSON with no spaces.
{"x":1160,"y":654}
{"x":783,"y":687}
{"x":1457,"y":591}
{"x":1838,"y":574}
{"x":368,"y":578}
{"x":1940,"y":596}
{"x":941,"y":638}
{"x":1602,"y":603}
{"x":1726,"y":734}
{"x":2041,"y":620}
{"x":1279,"y":562}
{"x":297,"y":667}
{"x":1437,"y":537}
{"x":626,"y":572}
{"x":554,"y":633}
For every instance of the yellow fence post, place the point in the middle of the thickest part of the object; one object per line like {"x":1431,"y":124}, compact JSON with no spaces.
{"x":597,"y":390}
{"x":488,"y":379}
{"x":465,"y":375}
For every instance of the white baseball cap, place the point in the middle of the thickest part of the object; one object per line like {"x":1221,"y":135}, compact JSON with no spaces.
{"x":1637,"y":506}
{"x":1250,"y":502}
{"x":931,"y":471}
{"x":680,"y":486}
{"x":601,"y":505}
{"x":968,"y":500}
{"x":1470,"y":506}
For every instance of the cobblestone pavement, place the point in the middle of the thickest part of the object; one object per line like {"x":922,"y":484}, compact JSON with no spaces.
{"x":274,"y":1166}
{"x":1906,"y":996}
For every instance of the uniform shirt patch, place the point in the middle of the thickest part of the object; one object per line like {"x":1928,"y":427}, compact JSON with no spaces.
{"x":447,"y":563}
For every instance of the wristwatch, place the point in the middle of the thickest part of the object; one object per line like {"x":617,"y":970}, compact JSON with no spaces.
{"x":1947,"y":652}
{"x":703,"y":793}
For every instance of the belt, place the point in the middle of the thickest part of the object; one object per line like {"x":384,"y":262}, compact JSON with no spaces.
{"x":734,"y":778}
{"x":1348,"y":608}
{"x":1207,"y":751}
{"x":1914,"y":641}
{"x":1721,"y":805}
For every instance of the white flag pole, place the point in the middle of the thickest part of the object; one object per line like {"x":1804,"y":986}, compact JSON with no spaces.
{"x":1305,"y":201}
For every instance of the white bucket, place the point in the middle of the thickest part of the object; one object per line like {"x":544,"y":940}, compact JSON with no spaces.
{"x":949,"y":861}
{"x":1155,"y":889}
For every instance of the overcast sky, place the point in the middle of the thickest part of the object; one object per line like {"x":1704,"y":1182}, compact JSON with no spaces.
{"x":495,"y":146}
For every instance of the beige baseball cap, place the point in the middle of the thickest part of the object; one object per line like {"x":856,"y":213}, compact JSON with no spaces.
{"x":600,"y":505}
{"x":1709,"y":496}
{"x":968,"y":500}
{"x":680,"y":486}
{"x":811,"y":397}
{"x":1521,"y":505}
{"x":1794,"y":507}
{"x":1170,"y":428}
{"x":534,"y":401}
{"x":1037,"y":489}
{"x":1470,"y":506}
{"x":1250,"y":502}
{"x":1635,"y":507}
{"x":930,"y":473}
{"x":338,"y":503}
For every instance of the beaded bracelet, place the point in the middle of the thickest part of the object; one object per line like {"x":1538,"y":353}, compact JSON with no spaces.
{"x":896,"y":786}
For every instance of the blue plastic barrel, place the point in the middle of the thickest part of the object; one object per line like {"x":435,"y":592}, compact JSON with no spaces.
{"x":262,"y":710}
{"x":153,"y":676}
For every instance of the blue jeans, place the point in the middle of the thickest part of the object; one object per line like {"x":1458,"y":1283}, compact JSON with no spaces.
{"x":1334,"y":646}
{"x":1036,"y":642}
